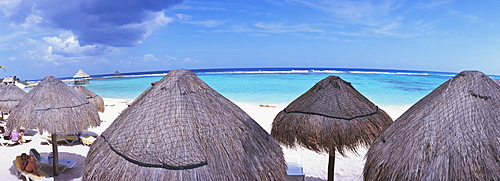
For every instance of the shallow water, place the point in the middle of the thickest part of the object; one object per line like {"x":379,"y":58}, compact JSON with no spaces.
{"x":281,"y":86}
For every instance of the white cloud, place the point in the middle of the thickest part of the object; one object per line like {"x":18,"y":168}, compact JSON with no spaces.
{"x":156,"y":21}
{"x":7,"y":6}
{"x":30,"y":23}
{"x":367,"y":18}
{"x":169,"y":58}
{"x":433,"y":4}
{"x":149,"y":57}
{"x":183,"y":17}
{"x":152,"y":58}
{"x":124,"y":23}
{"x":190,"y":60}
{"x":469,"y":17}
{"x":357,"y":12}
{"x":59,"y":50}
{"x":264,"y":29}
{"x":282,"y":28}
{"x":207,"y":23}
{"x":165,"y":59}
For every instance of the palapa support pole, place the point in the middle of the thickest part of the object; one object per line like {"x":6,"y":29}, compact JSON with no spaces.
{"x":55,"y":155}
{"x":331,"y":167}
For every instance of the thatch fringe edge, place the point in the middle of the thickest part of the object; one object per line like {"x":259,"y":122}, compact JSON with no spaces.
{"x":311,"y":113}
{"x":163,"y":165}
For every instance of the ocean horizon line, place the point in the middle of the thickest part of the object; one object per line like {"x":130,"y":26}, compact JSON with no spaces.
{"x":270,"y":70}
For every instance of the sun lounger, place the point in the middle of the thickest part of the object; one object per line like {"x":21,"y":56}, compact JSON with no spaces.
{"x":30,"y":176}
{"x":294,"y":168}
{"x":87,"y":139}
{"x":69,"y":139}
{"x":62,"y":162}
{"x":5,"y":142}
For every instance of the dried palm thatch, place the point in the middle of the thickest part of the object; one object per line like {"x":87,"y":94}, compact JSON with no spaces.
{"x":497,"y":81}
{"x":181,"y":129}
{"x":8,"y":80}
{"x":81,"y":77}
{"x":95,"y":99}
{"x":81,"y":74}
{"x":10,"y":96}
{"x":453,"y":133}
{"x":54,"y":107}
{"x":330,"y":117}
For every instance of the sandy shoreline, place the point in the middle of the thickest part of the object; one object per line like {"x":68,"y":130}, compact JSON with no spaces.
{"x":314,"y":164}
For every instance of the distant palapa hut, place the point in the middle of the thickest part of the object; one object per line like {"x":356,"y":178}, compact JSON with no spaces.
{"x":81,"y":77}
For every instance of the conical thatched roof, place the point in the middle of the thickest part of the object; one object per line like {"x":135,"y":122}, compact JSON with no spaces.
{"x":181,"y":129}
{"x":116,"y":73}
{"x":8,"y":80}
{"x":497,"y":81}
{"x":81,"y":74}
{"x":10,"y":96}
{"x":95,"y":99}
{"x":330,"y":117}
{"x":54,"y":107}
{"x":453,"y":133}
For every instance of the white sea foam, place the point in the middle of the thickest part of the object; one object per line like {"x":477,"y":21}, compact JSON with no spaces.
{"x":388,"y":73}
{"x":329,"y":71}
{"x":258,"y":72}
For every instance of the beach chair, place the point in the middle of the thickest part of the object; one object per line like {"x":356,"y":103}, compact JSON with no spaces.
{"x":61,"y":162}
{"x":87,"y":139}
{"x":69,"y":139}
{"x":5,"y":142}
{"x":30,"y":176}
{"x":294,"y":168}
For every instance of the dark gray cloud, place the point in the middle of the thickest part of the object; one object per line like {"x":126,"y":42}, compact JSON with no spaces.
{"x":118,"y":23}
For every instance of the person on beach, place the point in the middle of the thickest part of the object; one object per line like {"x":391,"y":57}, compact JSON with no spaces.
{"x":6,"y":134}
{"x":21,"y":137}
{"x":28,"y":164}
{"x":15,"y":136}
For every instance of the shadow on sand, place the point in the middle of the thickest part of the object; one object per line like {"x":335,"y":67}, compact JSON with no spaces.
{"x":313,"y":179}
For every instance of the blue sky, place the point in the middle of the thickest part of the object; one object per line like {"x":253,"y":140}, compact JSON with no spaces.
{"x":58,"y":37}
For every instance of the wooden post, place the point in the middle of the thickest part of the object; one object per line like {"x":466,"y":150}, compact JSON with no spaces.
{"x":55,"y":154}
{"x":331,"y":167}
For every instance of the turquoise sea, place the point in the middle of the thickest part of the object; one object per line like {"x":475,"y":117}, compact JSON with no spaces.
{"x":283,"y":85}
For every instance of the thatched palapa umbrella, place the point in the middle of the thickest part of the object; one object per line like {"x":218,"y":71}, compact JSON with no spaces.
{"x":497,"y":81}
{"x":9,"y":97}
{"x":182,"y":129}
{"x":81,"y":74}
{"x":95,"y":99}
{"x":81,"y":77}
{"x":453,"y":133}
{"x":330,"y":117}
{"x":54,"y":107}
{"x":8,"y":80}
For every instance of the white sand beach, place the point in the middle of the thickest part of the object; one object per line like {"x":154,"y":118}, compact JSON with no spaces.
{"x":314,"y":165}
